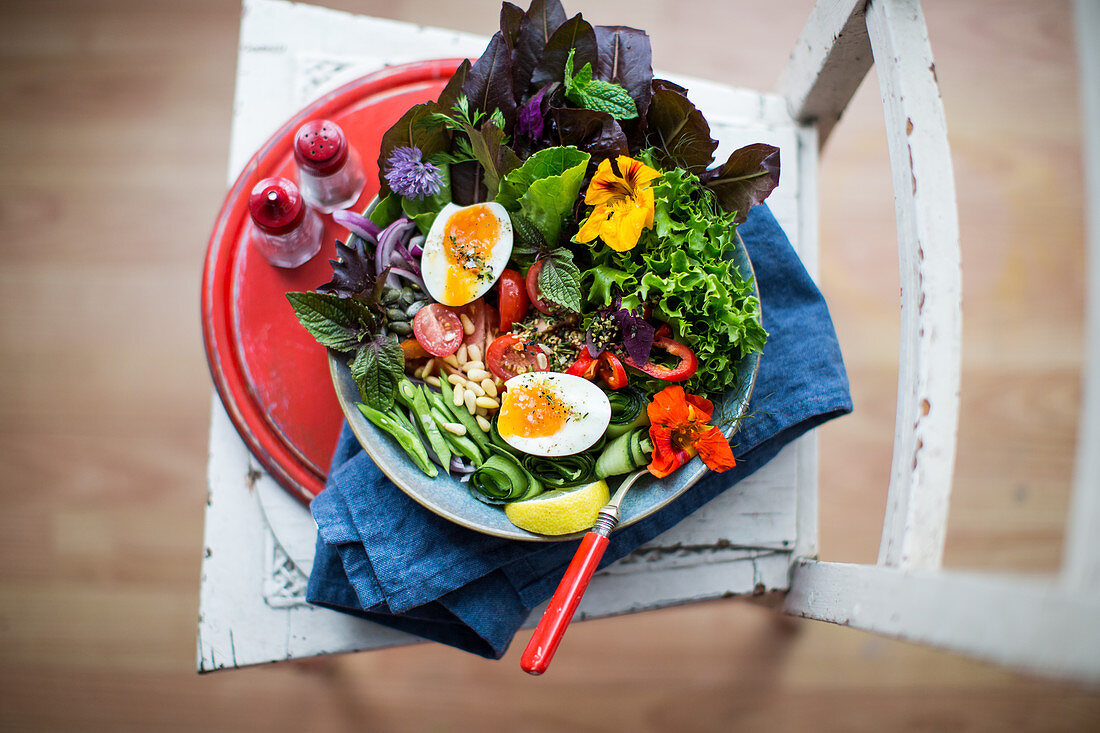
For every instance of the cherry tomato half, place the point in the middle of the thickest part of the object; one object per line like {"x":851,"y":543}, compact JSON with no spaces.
{"x":512,"y":291}
{"x":438,"y":329}
{"x":510,"y":355}
{"x":533,"y":291}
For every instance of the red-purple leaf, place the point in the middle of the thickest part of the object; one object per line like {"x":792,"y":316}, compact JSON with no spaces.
{"x":591,"y":131}
{"x":488,"y":84}
{"x":677,"y":129}
{"x":746,"y":179}
{"x":449,"y":95}
{"x":575,"y":33}
{"x":538,"y":25}
{"x":626,"y":59}
{"x":511,"y":18}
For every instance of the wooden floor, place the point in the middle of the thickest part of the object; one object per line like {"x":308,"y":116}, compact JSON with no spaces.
{"x":114,"y":127}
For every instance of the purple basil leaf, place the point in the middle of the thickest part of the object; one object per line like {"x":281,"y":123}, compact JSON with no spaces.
{"x":488,"y":84}
{"x":746,"y":179}
{"x":542,"y":19}
{"x":591,"y":131}
{"x":637,"y":335}
{"x":678,"y":129}
{"x":410,"y":131}
{"x":449,"y":95}
{"x":352,"y":270}
{"x":626,"y":59}
{"x":575,"y":33}
{"x":532,"y":120}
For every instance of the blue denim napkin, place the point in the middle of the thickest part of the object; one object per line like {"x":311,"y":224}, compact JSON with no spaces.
{"x":383,"y":557}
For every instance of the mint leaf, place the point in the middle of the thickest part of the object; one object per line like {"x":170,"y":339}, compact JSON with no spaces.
{"x":560,"y":280}
{"x":377,"y":368}
{"x":603,"y":96}
{"x":335,"y":322}
{"x":599,"y":95}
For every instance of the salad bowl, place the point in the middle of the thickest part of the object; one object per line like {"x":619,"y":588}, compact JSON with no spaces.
{"x":448,"y":497}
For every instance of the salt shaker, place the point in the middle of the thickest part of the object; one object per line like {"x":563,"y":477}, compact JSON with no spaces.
{"x":330,"y":170}
{"x":285,"y":231}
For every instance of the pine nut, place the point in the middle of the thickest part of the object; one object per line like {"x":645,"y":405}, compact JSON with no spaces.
{"x":467,"y":324}
{"x":475,"y":388}
{"x":474,"y":352}
{"x":542,"y":361}
{"x":461,"y":354}
{"x":476,"y":375}
{"x":487,"y":402}
{"x":429,"y":368}
{"x":470,"y":399}
{"x":454,"y":428}
{"x":484,"y":424}
{"x":451,"y":360}
{"x":489,"y":387}
{"x":471,"y":365}
{"x":456,"y":380}
{"x":459,"y":396}
{"x":432,"y":380}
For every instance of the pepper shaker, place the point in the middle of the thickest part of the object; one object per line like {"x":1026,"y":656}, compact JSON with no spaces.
{"x":285,"y":231}
{"x":330,"y":170}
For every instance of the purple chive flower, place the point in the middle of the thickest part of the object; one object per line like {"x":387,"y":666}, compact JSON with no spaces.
{"x":409,"y":176}
{"x":530,"y":121}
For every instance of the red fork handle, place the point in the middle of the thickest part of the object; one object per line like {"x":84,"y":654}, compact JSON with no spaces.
{"x":540,"y":650}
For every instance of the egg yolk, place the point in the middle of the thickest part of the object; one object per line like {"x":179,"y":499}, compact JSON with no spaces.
{"x":531,"y":410}
{"x":468,"y":243}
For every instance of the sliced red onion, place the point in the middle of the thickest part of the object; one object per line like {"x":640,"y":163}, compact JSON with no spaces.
{"x":416,"y":245}
{"x":387,"y":242}
{"x":408,"y":275}
{"x":357,"y":224}
{"x":460,"y":466}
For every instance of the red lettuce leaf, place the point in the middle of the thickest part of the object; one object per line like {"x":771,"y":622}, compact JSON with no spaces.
{"x":450,"y":93}
{"x":593,"y":132}
{"x":511,"y":19}
{"x":626,"y":59}
{"x":575,"y":33}
{"x":539,"y":23}
{"x":488,"y":83}
{"x":746,"y":179}
{"x":677,"y":129}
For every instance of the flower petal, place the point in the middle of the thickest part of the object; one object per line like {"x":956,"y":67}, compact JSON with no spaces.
{"x":669,"y":408}
{"x":636,"y":174}
{"x":667,"y":456}
{"x":593,"y":224}
{"x":605,"y":186}
{"x":714,"y":449}
{"x":704,"y":407}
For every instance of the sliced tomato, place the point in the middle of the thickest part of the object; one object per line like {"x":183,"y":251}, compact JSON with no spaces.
{"x":510,"y":355}
{"x":438,"y":329}
{"x":512,"y":292}
{"x":611,"y":371}
{"x":686,"y":367}
{"x":533,"y":291}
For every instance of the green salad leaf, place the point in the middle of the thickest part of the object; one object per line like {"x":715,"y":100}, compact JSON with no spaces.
{"x":545,"y":188}
{"x":377,"y":368}
{"x":560,"y":280}
{"x":423,"y":211}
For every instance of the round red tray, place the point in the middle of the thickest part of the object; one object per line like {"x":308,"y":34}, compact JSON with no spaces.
{"x":271,"y":375}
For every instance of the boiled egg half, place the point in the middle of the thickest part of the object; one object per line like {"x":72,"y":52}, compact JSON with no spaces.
{"x":552,"y":414}
{"x":465,"y":251}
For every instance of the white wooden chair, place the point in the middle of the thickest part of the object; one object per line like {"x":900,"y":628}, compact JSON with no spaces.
{"x":1051,"y":625}
{"x":259,"y":543}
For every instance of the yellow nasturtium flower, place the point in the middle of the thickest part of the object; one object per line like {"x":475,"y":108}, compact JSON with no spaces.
{"x":624,"y":203}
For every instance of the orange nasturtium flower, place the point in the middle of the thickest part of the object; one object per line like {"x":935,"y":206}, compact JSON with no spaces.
{"x":624,"y":203}
{"x":680,"y":428}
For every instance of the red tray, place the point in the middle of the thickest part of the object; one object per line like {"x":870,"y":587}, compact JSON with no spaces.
{"x":271,"y":375}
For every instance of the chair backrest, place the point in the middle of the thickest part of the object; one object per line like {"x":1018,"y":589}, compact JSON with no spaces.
{"x":1048,"y":626}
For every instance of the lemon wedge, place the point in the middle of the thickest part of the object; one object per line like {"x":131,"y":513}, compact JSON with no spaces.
{"x":562,"y":511}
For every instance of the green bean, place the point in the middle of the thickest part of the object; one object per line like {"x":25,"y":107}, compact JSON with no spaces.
{"x":405,"y":437}
{"x":413,"y":397}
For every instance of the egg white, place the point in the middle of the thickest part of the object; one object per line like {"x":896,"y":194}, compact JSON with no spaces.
{"x":590,"y":413}
{"x":434,"y":265}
